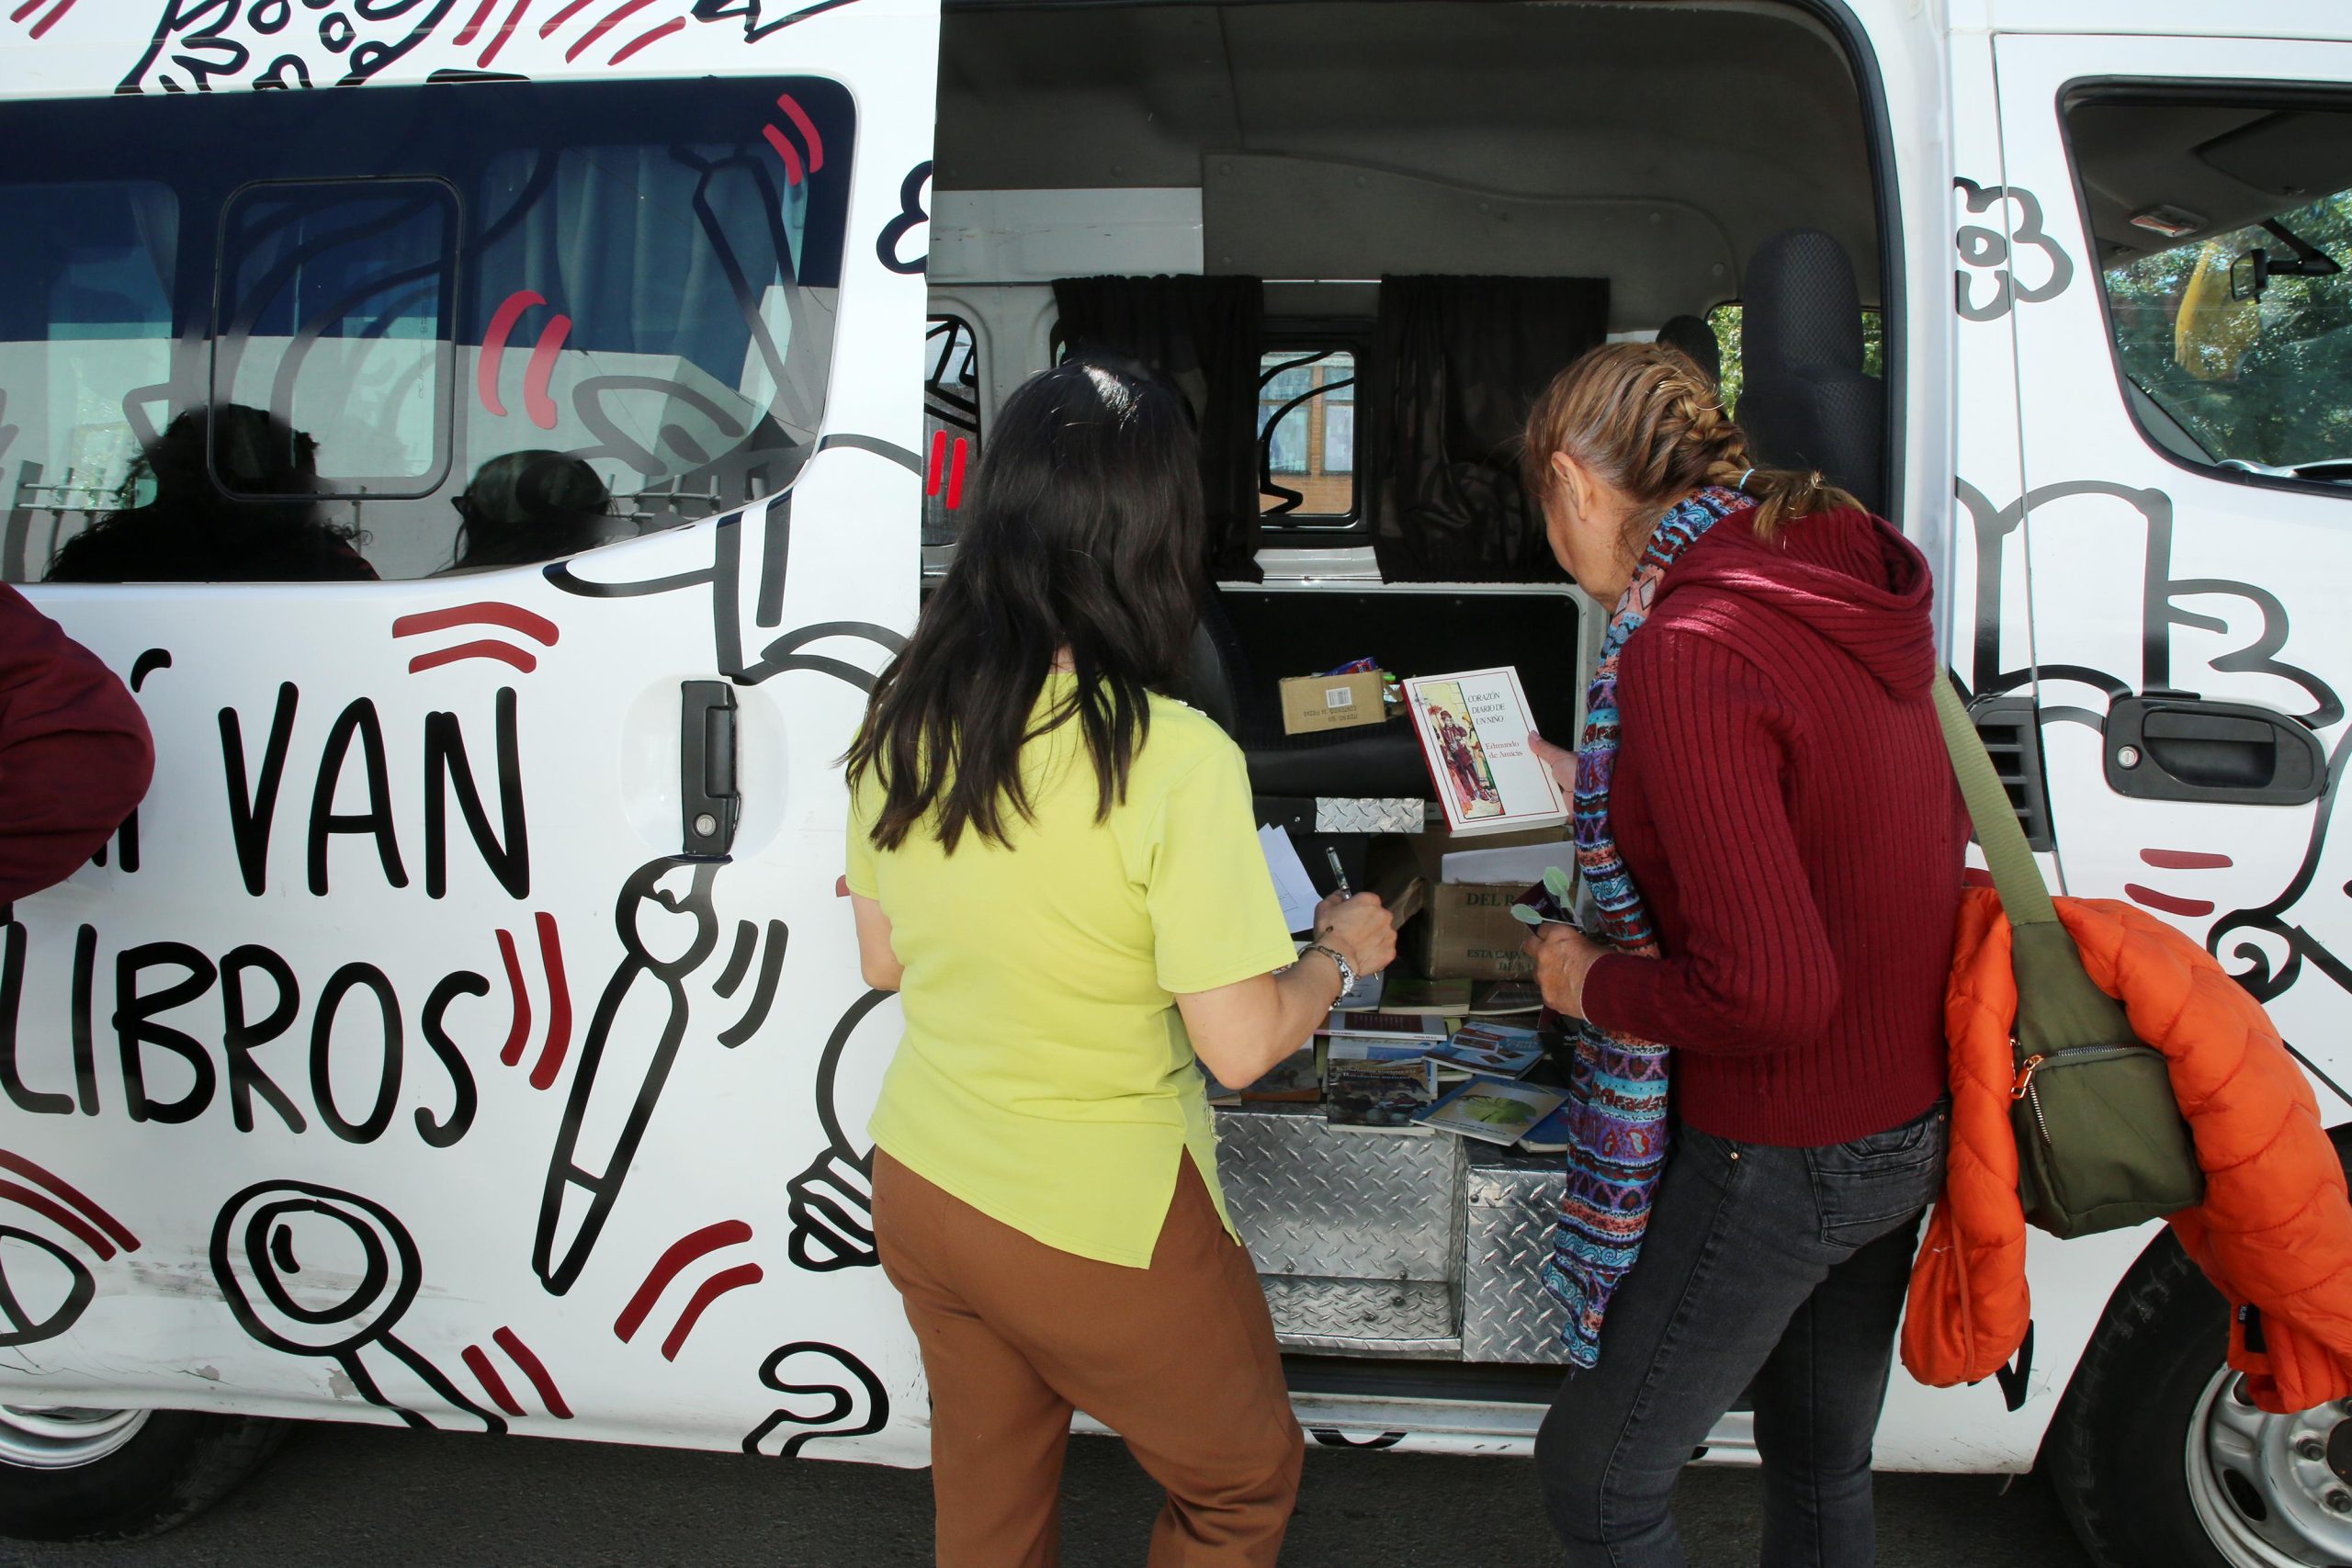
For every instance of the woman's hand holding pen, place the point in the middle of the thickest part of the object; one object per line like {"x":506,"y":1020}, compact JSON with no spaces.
{"x":1360,"y":927}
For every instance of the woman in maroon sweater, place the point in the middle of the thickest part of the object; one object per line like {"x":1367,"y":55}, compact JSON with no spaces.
{"x":1782,"y":805}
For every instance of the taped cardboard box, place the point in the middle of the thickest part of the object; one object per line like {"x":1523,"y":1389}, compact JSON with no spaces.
{"x":1312,"y":704}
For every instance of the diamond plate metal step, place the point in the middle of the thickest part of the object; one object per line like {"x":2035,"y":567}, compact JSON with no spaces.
{"x":1364,"y":1318}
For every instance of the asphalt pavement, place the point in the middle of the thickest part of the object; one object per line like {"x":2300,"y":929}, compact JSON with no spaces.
{"x":362,"y":1497}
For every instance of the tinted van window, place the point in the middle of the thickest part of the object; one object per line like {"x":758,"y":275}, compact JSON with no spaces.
{"x":402,"y":331}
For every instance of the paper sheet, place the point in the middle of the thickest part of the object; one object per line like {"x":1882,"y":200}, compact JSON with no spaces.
{"x":1292,"y":884}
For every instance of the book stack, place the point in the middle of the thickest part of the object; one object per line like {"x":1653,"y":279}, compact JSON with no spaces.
{"x":1424,"y":1063}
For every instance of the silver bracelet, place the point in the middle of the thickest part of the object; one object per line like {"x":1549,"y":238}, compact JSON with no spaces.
{"x":1347,"y":970}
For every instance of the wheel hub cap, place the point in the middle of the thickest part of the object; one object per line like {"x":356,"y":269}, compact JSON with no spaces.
{"x":2272,"y":1491}
{"x":63,"y":1436}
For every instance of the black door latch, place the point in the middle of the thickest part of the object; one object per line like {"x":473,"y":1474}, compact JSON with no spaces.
{"x":708,"y":802}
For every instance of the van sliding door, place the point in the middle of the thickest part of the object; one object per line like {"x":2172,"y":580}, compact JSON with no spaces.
{"x":467,"y":1032}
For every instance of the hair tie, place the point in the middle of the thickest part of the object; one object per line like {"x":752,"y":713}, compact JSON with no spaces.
{"x":1741,"y":484}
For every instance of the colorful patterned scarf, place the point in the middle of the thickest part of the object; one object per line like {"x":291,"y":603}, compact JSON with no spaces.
{"x":1617,"y":1125}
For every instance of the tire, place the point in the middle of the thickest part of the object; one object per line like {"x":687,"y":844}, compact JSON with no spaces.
{"x":91,"y":1476}
{"x":2159,"y":1463}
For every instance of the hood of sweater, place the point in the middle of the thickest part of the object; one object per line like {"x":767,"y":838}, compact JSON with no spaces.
{"x":1846,"y":574}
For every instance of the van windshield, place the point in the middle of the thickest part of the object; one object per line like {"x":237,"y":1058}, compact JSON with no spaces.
{"x":400,"y":331}
{"x":2242,"y":341}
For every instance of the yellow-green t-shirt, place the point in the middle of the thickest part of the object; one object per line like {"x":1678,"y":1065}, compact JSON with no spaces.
{"x":1045,"y":1077}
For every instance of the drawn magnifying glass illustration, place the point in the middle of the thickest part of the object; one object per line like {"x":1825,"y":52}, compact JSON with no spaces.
{"x":313,"y":1271}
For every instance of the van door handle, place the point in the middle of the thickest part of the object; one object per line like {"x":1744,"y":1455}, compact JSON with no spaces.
{"x":708,"y":801}
{"x":2178,"y":746}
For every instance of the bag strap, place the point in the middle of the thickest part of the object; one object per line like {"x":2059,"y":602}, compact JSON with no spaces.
{"x":2058,"y":1007}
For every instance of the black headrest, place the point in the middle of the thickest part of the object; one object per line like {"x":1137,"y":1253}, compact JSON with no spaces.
{"x":1802,"y":313}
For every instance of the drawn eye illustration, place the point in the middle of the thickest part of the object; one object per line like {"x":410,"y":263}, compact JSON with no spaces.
{"x":43,"y":1287}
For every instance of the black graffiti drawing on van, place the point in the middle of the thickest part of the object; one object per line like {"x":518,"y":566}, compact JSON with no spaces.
{"x":765,"y":530}
{"x":312,"y":1270}
{"x":1991,"y":251}
{"x":2165,"y":608}
{"x":831,"y":1202}
{"x":45,"y":1283}
{"x":796,"y":1371}
{"x":201,"y":45}
{"x":668,"y":930}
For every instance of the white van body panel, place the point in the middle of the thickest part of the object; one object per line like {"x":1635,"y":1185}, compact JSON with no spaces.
{"x":384,"y":1269}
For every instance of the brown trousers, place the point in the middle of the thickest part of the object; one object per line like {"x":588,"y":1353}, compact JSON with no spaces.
{"x":1177,"y":1358}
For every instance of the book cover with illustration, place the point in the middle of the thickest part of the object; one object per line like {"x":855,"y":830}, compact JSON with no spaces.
{"x":1493,"y":1111}
{"x":1492,"y":1048}
{"x":1297,"y":1077}
{"x":1474,"y":729}
{"x":1379,"y":1097}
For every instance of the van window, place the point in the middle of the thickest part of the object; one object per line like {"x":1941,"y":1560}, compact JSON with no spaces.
{"x":1306,"y":436}
{"x":1725,"y":320}
{"x":409,"y":330}
{"x":2224,"y":233}
{"x":950,"y":419}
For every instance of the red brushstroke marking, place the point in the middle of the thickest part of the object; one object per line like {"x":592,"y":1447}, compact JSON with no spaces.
{"x":536,"y":401}
{"x":535,"y":1371}
{"x":27,"y":9}
{"x":504,"y":652}
{"x":808,"y":129}
{"x":511,"y":1052}
{"x":73,"y":1195}
{"x":49,"y":1208}
{"x":2185,"y":860}
{"x":51,"y":19}
{"x":563,"y":15}
{"x":493,"y":345}
{"x":647,"y":40}
{"x":505,"y":30}
{"x":955,"y":476}
{"x":482,"y":612}
{"x":2165,"y":902}
{"x":558,"y":1005}
{"x":793,"y":173}
{"x":718,"y":1285}
{"x":472,"y":30}
{"x":938,"y":461}
{"x":607,"y":24}
{"x":487,"y":1375}
{"x":682,"y":1251}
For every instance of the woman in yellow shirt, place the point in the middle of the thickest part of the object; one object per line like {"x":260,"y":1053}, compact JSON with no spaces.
{"x":1057,"y":868}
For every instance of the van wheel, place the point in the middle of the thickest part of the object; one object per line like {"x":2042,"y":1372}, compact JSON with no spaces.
{"x":2161,"y":1462}
{"x":70,"y":1473}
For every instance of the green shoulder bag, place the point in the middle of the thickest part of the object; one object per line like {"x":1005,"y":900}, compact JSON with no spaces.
{"x":2101,"y":1142}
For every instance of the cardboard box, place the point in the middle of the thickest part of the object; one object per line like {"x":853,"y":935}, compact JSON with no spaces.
{"x":1312,"y":704}
{"x":1466,"y":931}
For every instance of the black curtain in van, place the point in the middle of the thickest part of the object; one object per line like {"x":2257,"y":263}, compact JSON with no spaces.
{"x":1459,"y":362}
{"x":1204,"y":335}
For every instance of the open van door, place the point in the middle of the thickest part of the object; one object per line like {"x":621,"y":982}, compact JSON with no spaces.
{"x":2170,"y":243}
{"x":467,"y":1032}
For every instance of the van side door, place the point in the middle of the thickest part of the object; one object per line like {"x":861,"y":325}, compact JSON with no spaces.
{"x":467,"y":1032}
{"x":2176,"y":269}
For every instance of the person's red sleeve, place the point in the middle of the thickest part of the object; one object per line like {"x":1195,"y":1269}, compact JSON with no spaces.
{"x":74,"y":752}
{"x":1754,"y":972}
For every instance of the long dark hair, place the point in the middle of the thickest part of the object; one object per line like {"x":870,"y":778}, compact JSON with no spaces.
{"x":1082,"y":530}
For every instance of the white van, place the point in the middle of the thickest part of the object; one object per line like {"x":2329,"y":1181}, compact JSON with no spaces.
{"x":499,"y":441}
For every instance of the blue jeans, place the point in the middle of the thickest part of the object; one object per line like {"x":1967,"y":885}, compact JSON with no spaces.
{"x":1784,"y":1269}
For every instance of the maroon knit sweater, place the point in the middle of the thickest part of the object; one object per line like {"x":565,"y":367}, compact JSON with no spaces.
{"x":1785,"y":805}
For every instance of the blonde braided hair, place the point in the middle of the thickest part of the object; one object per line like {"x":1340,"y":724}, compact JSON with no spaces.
{"x":1644,"y":418}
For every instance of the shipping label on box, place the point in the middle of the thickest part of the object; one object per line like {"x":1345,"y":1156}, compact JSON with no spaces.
{"x":1315,"y":703}
{"x":1469,"y":933}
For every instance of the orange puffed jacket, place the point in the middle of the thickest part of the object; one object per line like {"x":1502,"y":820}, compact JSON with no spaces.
{"x":2274,"y":1233}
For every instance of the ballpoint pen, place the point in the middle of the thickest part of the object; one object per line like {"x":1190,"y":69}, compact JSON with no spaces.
{"x":1339,"y":871}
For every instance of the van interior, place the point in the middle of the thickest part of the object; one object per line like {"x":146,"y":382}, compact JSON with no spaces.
{"x":1360,"y":238}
